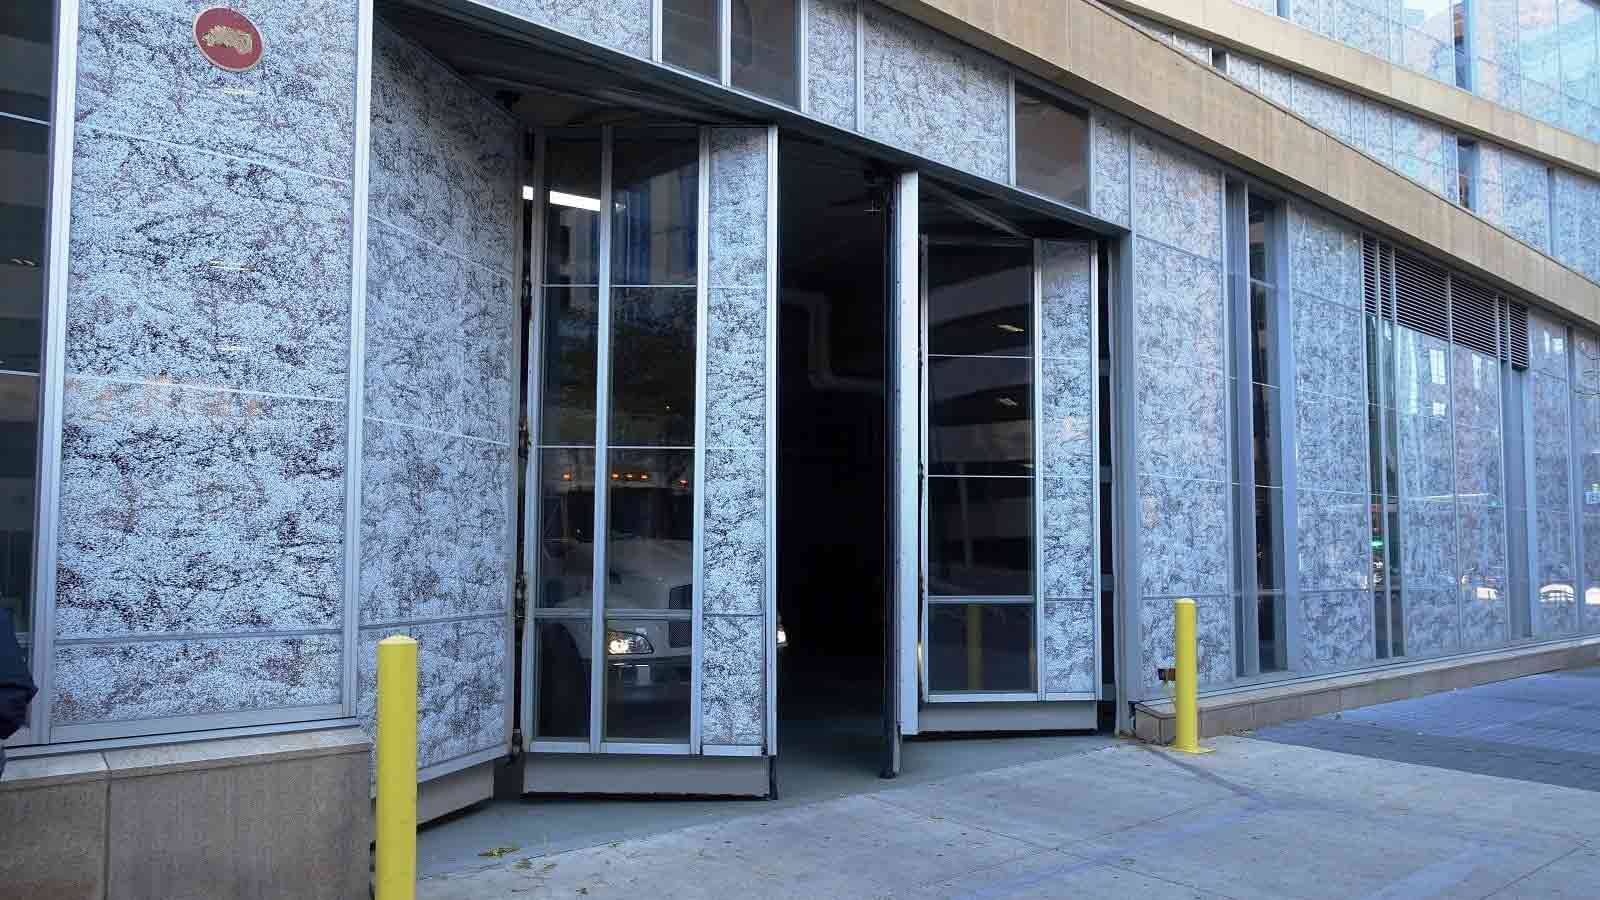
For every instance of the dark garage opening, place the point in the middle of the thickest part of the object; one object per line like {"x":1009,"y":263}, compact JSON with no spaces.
{"x":832,"y":464}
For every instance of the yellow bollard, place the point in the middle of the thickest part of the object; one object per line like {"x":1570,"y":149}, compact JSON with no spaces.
{"x":1185,"y":701}
{"x":396,"y":877}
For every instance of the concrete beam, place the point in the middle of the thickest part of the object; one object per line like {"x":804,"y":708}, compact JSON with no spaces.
{"x":1104,"y":59}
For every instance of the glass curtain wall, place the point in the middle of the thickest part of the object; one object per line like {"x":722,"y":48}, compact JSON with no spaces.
{"x":616,"y":438}
{"x":979,"y":292}
{"x":27,"y":34}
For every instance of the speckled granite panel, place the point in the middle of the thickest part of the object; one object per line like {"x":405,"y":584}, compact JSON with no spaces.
{"x":1176,"y":200}
{"x":733,"y":681}
{"x":1575,"y":221}
{"x":1425,"y":457}
{"x":1066,"y":548}
{"x":1553,"y":568}
{"x":929,"y":95}
{"x":1065,"y":421}
{"x":1433,"y":621}
{"x":831,"y":61}
{"x":1335,"y":629}
{"x":1494,"y":32}
{"x":1177,"y":306}
{"x":1330,"y":448}
{"x":736,"y":367}
{"x":487,"y":306}
{"x":463,"y":685}
{"x":1485,"y":613}
{"x":1334,"y":540}
{"x":412,"y":375}
{"x":1181,"y":425}
{"x":1329,"y":349}
{"x":1277,"y":84}
{"x":1112,"y":171}
{"x":444,"y":157}
{"x":737,"y":208}
{"x":1428,"y":543}
{"x":1478,"y":475}
{"x":1244,"y":69}
{"x":139,"y":72}
{"x":485,"y":543}
{"x":1525,"y":198}
{"x":1069,"y":646}
{"x":187,"y":510}
{"x":408,"y":526}
{"x":1213,"y":640}
{"x":735,"y":560}
{"x":618,"y":24}
{"x":1552,"y":476}
{"x":1066,"y":301}
{"x":192,"y":268}
{"x":1547,"y":347}
{"x":1590,"y":526}
{"x":1183,"y":536}
{"x":1326,"y":107}
{"x":1477,"y":389}
{"x":1422,"y":374}
{"x":1377,"y":131}
{"x":1481,"y":539}
{"x":157,"y":679}
{"x":1359,"y":25}
{"x":1325,"y":257}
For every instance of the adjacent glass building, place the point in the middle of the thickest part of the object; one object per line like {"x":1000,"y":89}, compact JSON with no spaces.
{"x":703,"y":382}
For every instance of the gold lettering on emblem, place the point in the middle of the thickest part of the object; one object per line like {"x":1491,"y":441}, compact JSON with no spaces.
{"x":232,"y":38}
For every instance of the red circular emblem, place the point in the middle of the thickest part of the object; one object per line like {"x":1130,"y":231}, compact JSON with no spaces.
{"x":228,"y":38}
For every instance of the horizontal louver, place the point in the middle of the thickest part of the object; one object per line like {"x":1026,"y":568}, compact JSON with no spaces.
{"x":1421,"y":296}
{"x":1517,"y":334}
{"x":1474,"y":317}
{"x":1377,"y":274}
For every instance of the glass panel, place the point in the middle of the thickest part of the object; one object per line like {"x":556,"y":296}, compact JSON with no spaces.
{"x":1380,"y":618}
{"x":566,"y":529}
{"x":1259,"y":223}
{"x":1271,"y":653}
{"x":689,"y":35}
{"x":766,"y":49}
{"x":647,"y":681}
{"x":650,"y":530}
{"x":654,"y":200}
{"x":568,"y":396}
{"x":572,"y":211}
{"x":26,"y":33}
{"x":1269,"y":561}
{"x":980,"y":647}
{"x":19,"y":411}
{"x":564,"y":652}
{"x":1052,"y":148}
{"x":652,"y":367}
{"x":24,"y":181}
{"x":980,"y":416}
{"x":980,"y":300}
{"x":980,"y":536}
{"x":1263,"y":331}
{"x":1265,"y":411}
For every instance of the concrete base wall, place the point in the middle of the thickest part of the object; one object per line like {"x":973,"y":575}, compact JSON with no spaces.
{"x":1243,"y":710}
{"x":249,"y":818}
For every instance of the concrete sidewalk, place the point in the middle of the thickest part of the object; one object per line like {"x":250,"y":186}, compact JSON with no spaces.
{"x":1255,"y":819}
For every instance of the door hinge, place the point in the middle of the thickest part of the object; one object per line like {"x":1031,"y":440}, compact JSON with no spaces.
{"x":524,"y":439}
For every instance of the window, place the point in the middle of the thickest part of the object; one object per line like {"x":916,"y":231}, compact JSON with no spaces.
{"x":27,"y":29}
{"x":765,"y":49}
{"x":616,"y":437}
{"x":1260,"y":613}
{"x":1466,"y":172}
{"x":691,"y":35}
{"x":1052,"y":143}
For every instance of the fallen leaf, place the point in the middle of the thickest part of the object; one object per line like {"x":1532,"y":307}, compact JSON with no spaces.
{"x":497,"y":852}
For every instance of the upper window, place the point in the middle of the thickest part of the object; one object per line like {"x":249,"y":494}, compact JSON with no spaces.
{"x":765,"y":50}
{"x":690,"y":35}
{"x":1052,"y":143}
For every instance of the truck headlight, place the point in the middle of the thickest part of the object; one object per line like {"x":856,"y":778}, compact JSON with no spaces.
{"x":627,"y":643}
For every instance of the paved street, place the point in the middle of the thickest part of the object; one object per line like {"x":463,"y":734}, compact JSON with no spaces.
{"x":1479,"y":793}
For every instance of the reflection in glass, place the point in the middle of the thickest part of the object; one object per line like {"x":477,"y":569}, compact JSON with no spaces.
{"x":654,"y":200}
{"x":563,"y":679}
{"x":980,"y":416}
{"x":648,"y":675}
{"x":650,"y":520}
{"x":766,"y":48}
{"x":1263,"y":334}
{"x":980,"y":536}
{"x":1272,"y":655}
{"x":572,"y":211}
{"x":980,"y":647}
{"x":980,"y":300}
{"x":27,"y":33}
{"x":689,"y":35}
{"x":566,"y":528}
{"x":24,"y":178}
{"x":652,"y":367}
{"x":1052,"y":144}
{"x":19,"y":410}
{"x":1269,"y":561}
{"x":570,"y":331}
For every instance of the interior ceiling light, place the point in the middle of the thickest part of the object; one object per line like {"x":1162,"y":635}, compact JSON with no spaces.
{"x":575,"y":201}
{"x":1007,"y":327}
{"x":527,"y":192}
{"x":24,"y":261}
{"x":1005,"y":401}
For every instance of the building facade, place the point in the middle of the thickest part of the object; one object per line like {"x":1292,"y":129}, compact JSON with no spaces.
{"x":648,"y":360}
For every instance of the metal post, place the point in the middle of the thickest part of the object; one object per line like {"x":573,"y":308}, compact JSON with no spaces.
{"x":396,"y":864}
{"x":1185,"y":702}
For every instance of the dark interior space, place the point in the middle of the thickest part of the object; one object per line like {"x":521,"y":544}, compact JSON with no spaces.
{"x":832,"y":452}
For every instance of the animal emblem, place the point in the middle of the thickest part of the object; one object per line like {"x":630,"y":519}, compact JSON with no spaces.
{"x":224,"y":36}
